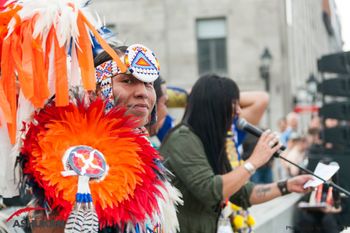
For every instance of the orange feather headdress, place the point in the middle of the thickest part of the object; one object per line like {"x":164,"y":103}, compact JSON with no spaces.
{"x":35,"y":39}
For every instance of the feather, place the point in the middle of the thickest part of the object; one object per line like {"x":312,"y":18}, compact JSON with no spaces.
{"x":3,"y":226}
{"x":51,"y":70}
{"x":90,"y":222}
{"x":33,"y":25}
{"x":21,"y":211}
{"x":24,"y":114}
{"x":45,"y":20}
{"x":75,"y":221}
{"x":128,"y":193}
{"x":5,"y":148}
{"x":167,"y":216}
{"x":74,"y":68}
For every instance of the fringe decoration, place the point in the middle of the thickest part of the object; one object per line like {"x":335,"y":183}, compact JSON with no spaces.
{"x":36,"y":38}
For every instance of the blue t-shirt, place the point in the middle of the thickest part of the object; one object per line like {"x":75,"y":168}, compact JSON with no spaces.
{"x":167,"y":125}
{"x":286,"y":135}
{"x":239,"y":136}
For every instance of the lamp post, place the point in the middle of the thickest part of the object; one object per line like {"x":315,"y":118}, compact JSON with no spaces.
{"x":305,"y":98}
{"x":311,"y":85}
{"x":265,"y":65}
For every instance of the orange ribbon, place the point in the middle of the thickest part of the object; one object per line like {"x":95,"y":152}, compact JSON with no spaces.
{"x":40,"y":73}
{"x":85,"y":57}
{"x":8,"y":86}
{"x":104,"y":44}
{"x":61,"y":81}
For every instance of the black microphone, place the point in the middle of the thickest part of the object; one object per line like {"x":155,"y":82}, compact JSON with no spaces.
{"x":243,"y":124}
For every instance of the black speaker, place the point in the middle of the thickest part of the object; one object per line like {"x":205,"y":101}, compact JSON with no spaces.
{"x":335,"y":63}
{"x":336,"y":110}
{"x":335,"y":87}
{"x":339,"y":135}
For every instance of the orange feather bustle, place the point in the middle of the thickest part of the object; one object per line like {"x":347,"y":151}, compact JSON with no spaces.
{"x":129,"y":190}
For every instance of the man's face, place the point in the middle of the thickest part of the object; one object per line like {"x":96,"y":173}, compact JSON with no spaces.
{"x":137,"y":96}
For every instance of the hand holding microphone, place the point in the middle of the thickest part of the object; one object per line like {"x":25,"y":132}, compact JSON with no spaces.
{"x":244,"y":125}
{"x":267,"y":145}
{"x":261,"y":149}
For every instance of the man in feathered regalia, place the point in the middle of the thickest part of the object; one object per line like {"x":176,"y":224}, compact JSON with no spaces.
{"x":78,"y":123}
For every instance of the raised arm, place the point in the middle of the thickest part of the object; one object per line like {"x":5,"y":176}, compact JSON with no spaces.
{"x":253,"y":105}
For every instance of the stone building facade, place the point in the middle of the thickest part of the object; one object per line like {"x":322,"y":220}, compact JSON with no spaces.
{"x":228,"y":37}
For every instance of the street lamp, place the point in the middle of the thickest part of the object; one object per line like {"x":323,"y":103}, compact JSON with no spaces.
{"x":311,"y":85}
{"x":265,"y":65}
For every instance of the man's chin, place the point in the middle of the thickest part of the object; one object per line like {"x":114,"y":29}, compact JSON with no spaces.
{"x":141,"y":121}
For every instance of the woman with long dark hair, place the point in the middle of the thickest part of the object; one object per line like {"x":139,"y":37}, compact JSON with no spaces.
{"x":195,"y":152}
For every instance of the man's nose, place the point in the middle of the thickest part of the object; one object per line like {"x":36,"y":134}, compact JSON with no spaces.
{"x":140,"y":90}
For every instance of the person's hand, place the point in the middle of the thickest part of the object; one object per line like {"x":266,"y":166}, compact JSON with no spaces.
{"x":331,"y":210}
{"x":267,"y":145}
{"x":296,"y":184}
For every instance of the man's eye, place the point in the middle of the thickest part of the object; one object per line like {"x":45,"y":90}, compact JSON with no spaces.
{"x":148,"y":84}
{"x":128,"y":81}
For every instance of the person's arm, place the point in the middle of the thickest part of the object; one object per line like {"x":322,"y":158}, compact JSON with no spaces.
{"x":253,"y":105}
{"x":262,"y":153}
{"x":267,"y":192}
{"x":185,"y":156}
{"x":185,"y":153}
{"x":234,"y":180}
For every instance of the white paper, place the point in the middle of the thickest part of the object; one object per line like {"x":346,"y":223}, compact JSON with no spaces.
{"x":324,"y":171}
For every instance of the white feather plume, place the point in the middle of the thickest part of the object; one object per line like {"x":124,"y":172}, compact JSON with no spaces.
{"x":5,"y":149}
{"x":9,"y":175}
{"x":60,"y":14}
{"x":171,"y":197}
{"x":74,"y":71}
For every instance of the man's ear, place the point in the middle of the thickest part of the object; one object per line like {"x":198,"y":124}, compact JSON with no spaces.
{"x":92,"y":95}
{"x":153,"y":118}
{"x":98,"y":91}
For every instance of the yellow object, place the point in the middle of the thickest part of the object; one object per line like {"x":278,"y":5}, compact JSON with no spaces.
{"x":176,"y":99}
{"x":238,"y":222}
{"x":231,"y":151}
{"x":235,"y":207}
{"x":250,"y":220}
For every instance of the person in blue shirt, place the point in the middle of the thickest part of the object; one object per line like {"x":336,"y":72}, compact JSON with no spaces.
{"x":292,"y":126}
{"x":163,"y":121}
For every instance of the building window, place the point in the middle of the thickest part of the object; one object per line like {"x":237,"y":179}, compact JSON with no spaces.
{"x":211,"y":46}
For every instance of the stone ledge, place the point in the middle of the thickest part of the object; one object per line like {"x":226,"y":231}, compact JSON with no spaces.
{"x":275,"y":215}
